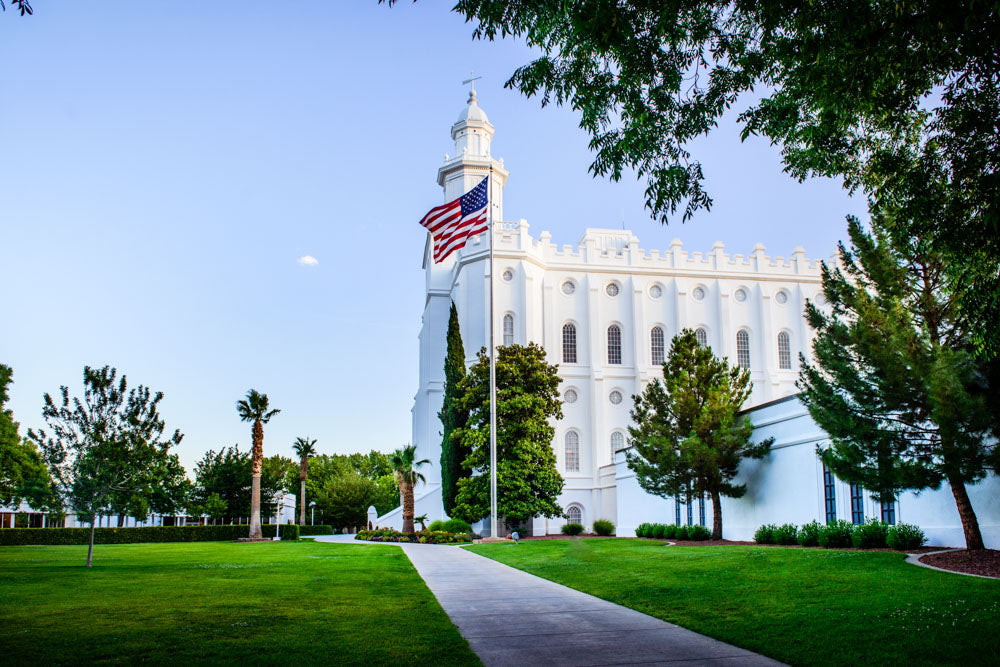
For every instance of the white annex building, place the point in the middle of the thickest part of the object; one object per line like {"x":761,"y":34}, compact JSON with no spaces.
{"x":605,"y":310}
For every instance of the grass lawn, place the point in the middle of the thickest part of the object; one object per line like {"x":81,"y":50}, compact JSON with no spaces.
{"x":272,"y":602}
{"x":801,"y":606}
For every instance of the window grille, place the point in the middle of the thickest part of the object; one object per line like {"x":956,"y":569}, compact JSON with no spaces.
{"x":574,"y":514}
{"x":614,"y":344}
{"x":677,"y":510}
{"x":829,"y":495}
{"x":572,"y":452}
{"x":701,"y":509}
{"x":508,"y":329}
{"x":656,"y":345}
{"x":784,"y":352}
{"x":617,"y":442}
{"x":690,"y":507}
{"x":702,"y":336}
{"x":743,"y":348}
{"x":857,"y":505}
{"x":889,"y":512}
{"x":569,"y":344}
{"x":570,"y":396}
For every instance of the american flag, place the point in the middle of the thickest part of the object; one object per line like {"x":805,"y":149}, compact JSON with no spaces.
{"x":454,"y":223}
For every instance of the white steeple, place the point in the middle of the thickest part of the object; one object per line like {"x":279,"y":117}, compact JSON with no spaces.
{"x":472,"y":131}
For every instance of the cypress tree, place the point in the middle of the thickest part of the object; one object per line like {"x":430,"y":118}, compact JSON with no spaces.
{"x":452,"y":415}
{"x":895,"y":382}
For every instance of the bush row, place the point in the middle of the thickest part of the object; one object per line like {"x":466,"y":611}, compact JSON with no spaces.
{"x":22,"y":536}
{"x":315,"y":530}
{"x":423,"y":537}
{"x":669,"y":531}
{"x":572,"y":528}
{"x":604,"y":527}
{"x":873,"y":534}
{"x":450,"y":526}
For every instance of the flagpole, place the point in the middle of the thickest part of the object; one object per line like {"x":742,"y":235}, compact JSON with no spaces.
{"x":493,"y":369}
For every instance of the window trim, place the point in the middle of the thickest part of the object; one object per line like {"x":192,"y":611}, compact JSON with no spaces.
{"x":743,"y":336}
{"x":508,"y":317}
{"x":567,"y":452}
{"x":614,"y":347}
{"x":657,"y":346}
{"x":568,"y":351}
{"x":784,"y":356}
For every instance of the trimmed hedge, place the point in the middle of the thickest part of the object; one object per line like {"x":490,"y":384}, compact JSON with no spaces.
{"x":905,"y":536}
{"x":315,"y":530}
{"x":450,"y":526}
{"x":572,"y":528}
{"x":26,"y":536}
{"x":604,"y":527}
{"x":423,"y":537}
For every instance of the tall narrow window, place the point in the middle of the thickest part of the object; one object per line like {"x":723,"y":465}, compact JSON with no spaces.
{"x":829,"y":495}
{"x":677,"y":510}
{"x":617,"y":442}
{"x":574,"y":514}
{"x":702,"y":336}
{"x":508,"y":329}
{"x":656,"y":345}
{"x":690,"y":511}
{"x":889,"y":512}
{"x":572,"y":452}
{"x":784,"y":352}
{"x":701,"y":509}
{"x":569,"y":344}
{"x":857,"y":505}
{"x":743,"y":348}
{"x":614,"y":344}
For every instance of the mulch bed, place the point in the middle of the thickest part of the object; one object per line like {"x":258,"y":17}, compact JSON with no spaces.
{"x":985,"y":562}
{"x":721,"y":543}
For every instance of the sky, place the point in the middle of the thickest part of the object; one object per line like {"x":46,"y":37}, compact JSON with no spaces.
{"x":166,"y":165}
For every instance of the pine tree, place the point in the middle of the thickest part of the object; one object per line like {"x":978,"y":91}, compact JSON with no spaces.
{"x":528,"y":483}
{"x":452,"y":415}
{"x":895,"y":383}
{"x":687,"y":439}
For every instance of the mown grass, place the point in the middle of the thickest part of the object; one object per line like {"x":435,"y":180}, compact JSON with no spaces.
{"x":800,"y":606}
{"x":220,"y":602}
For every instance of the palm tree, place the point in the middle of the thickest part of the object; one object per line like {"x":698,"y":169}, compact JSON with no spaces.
{"x":254,"y":409}
{"x":404,"y":467}
{"x":304,"y":448}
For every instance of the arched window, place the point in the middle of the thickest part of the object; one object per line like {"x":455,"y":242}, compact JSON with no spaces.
{"x":702,"y":336}
{"x":572,"y":452}
{"x":743,"y":348}
{"x":656,"y":345}
{"x":614,"y":344}
{"x":569,"y":344}
{"x":617,"y":442}
{"x":574,"y":514}
{"x":508,"y":329}
{"x":784,"y":352}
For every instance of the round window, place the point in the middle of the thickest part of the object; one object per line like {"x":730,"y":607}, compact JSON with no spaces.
{"x":698,"y":293}
{"x":568,"y":287}
{"x":741,"y":294}
{"x":612,"y":289}
{"x":781,"y":296}
{"x":656,"y":291}
{"x":508,"y":275}
{"x":615,"y":397}
{"x":570,"y":396}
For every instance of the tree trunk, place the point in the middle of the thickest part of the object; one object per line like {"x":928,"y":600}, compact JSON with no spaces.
{"x":407,"y":490}
{"x":970,"y":524}
{"x":255,"y":508}
{"x":302,"y":511}
{"x":121,"y":519}
{"x":716,"y":516}
{"x":90,"y":549}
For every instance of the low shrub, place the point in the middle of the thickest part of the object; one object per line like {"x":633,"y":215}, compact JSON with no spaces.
{"x":657,"y":532}
{"x":786,"y":534}
{"x":870,"y":535}
{"x":905,"y":536}
{"x":669,"y":531}
{"x":315,"y":530}
{"x":643,"y":530}
{"x":457,"y":526}
{"x":572,"y":528}
{"x":836,"y":535}
{"x":765,"y":534}
{"x":289,"y":531}
{"x":132,"y":535}
{"x":436,"y":525}
{"x":425,"y":537}
{"x":809,"y":534}
{"x":699,"y":533}
{"x":604,"y":527}
{"x":681,"y":533}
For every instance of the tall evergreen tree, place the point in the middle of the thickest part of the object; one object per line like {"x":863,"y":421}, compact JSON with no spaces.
{"x":895,"y":383}
{"x":453,"y":416}
{"x":23,"y":474}
{"x":687,"y":438}
{"x":528,"y":483}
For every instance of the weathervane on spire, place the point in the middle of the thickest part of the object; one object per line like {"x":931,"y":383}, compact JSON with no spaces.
{"x":472,"y":88}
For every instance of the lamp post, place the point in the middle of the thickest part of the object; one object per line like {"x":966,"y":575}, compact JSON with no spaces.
{"x":277,"y":518}
{"x":312,"y":508}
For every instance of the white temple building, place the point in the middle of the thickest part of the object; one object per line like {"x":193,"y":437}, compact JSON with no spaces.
{"x":605,"y":310}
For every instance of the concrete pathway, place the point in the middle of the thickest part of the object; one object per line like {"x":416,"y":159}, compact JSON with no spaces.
{"x":511,"y":617}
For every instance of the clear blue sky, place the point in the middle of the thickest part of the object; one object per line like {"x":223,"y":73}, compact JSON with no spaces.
{"x":166,"y":164}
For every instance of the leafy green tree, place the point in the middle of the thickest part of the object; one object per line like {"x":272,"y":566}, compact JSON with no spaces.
{"x":895,"y":383}
{"x":387,"y":495}
{"x":276,"y":470}
{"x":452,"y":415}
{"x":688,"y":438}
{"x":343,"y":502}
{"x":305,"y":449}
{"x":215,"y":507}
{"x":405,"y":468}
{"x":528,"y":483}
{"x":106,"y":446}
{"x":845,"y":85}
{"x":254,"y":409}
{"x":22,"y":5}
{"x":227,"y":474}
{"x":23,"y":474}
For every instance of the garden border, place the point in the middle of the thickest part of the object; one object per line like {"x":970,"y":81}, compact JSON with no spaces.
{"x":914,"y":559}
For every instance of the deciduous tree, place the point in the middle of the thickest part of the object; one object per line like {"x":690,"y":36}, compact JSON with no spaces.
{"x":23,"y":474}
